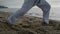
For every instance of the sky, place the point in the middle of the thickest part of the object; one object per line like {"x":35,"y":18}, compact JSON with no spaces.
{"x":18,"y":3}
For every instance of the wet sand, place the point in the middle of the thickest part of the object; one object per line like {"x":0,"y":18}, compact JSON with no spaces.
{"x":28,"y":25}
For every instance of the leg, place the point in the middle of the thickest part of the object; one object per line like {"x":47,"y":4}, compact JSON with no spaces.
{"x":26,"y":6}
{"x":46,"y":10}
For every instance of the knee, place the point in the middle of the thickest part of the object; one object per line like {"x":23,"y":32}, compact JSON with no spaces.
{"x":48,"y":6}
{"x":45,"y":6}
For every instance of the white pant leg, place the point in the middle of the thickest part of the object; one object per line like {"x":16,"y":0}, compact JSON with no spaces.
{"x":46,"y":10}
{"x":28,"y":4}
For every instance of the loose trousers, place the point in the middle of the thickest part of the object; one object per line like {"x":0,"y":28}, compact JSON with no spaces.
{"x":28,"y":4}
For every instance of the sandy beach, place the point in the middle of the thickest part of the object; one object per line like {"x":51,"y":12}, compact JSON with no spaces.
{"x":28,"y":25}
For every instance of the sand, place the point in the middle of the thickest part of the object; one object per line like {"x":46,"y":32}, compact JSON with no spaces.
{"x":28,"y":25}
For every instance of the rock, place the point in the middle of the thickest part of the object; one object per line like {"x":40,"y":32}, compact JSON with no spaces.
{"x":3,"y":7}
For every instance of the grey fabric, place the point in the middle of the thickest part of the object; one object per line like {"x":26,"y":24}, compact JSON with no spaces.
{"x":46,"y":10}
{"x":28,"y":4}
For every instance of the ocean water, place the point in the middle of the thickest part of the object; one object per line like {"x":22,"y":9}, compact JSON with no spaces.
{"x":37,"y":12}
